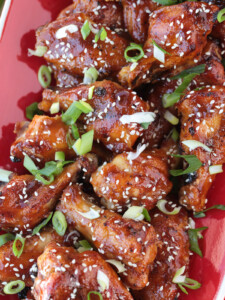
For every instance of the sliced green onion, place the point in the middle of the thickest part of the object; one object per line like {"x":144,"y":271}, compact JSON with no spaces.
{"x":102,"y":35}
{"x":83,"y":106}
{"x":175,"y":135}
{"x":60,"y":156}
{"x":29,"y":164}
{"x":42,"y":179}
{"x":195,"y":70}
{"x":71,"y":115}
{"x":33,"y":110}
{"x":90,"y":76}
{"x":103,"y":281}
{"x":91,"y":92}
{"x":42,"y":224}
{"x":39,"y":51}
{"x":84,"y":144}
{"x":85,"y":246}
{"x":4,"y":238}
{"x":171,"y":118}
{"x":137,"y":213}
{"x":182,"y":281}
{"x":166,"y":2}
{"x":132,"y":47}
{"x":54,"y":109}
{"x":179,"y":277}
{"x":75,"y":132}
{"x":193,"y":144}
{"x":215,"y":169}
{"x":18,"y":251}
{"x":14,"y":287}
{"x":69,"y":138}
{"x":59,"y":223}
{"x":193,"y":239}
{"x":94,"y":293}
{"x":140,"y":118}
{"x":91,"y":214}
{"x":192,"y":160}
{"x":4,"y":175}
{"x":120,"y":267}
{"x":221,"y":15}
{"x":85,"y":30}
{"x":145,"y":125}
{"x":201,"y":214}
{"x":191,"y":284}
{"x":44,"y":76}
{"x":161,"y":204}
{"x":158,"y":52}
{"x":146,"y":215}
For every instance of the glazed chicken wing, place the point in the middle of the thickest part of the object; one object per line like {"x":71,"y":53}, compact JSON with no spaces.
{"x":174,"y":254}
{"x":202,"y":120}
{"x":141,"y":181}
{"x":136,"y":15}
{"x":42,"y":139}
{"x":24,"y":202}
{"x":66,"y":48}
{"x":65,"y":274}
{"x":110,"y":102}
{"x":132,"y":242}
{"x":181,"y":31}
{"x":13,"y":268}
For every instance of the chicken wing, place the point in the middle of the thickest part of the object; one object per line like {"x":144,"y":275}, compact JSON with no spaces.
{"x":141,"y":181}
{"x":42,"y":139}
{"x":174,"y":254}
{"x":24,"y":202}
{"x":13,"y":268}
{"x":134,"y":243}
{"x":182,"y":33}
{"x":66,"y":48}
{"x":110,"y":102}
{"x":202,"y":120}
{"x":136,"y":15}
{"x":65,"y":274}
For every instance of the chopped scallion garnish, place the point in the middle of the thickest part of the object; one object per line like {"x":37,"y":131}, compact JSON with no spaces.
{"x":60,"y":156}
{"x":182,"y":281}
{"x":195,"y":70}
{"x":166,"y":2}
{"x":42,"y":224}
{"x":55,"y":107}
{"x":18,"y":250}
{"x":83,"y":106}
{"x":193,"y":144}
{"x":174,"y":135}
{"x":14,"y":287}
{"x":120,"y":267}
{"x":91,"y":92}
{"x":221,"y":15}
{"x":90,"y":76}
{"x":95,"y":293}
{"x":85,"y":246}
{"x":192,"y":160}
{"x":44,"y":76}
{"x":159,"y":53}
{"x":6,"y":237}
{"x":134,"y":47}
{"x":84,"y":144}
{"x":85,"y":30}
{"x":171,"y":118}
{"x":137,"y":213}
{"x":72,"y":114}
{"x":201,"y":214}
{"x":215,"y":169}
{"x":59,"y":223}
{"x":194,"y":235}
{"x":33,"y":110}
{"x":75,"y":132}
{"x":161,"y":204}
{"x":39,"y":51}
{"x":102,"y":35}
{"x":4,"y":175}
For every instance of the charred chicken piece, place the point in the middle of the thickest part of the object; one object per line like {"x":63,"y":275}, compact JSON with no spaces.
{"x":141,"y":181}
{"x":65,"y":274}
{"x":67,"y":50}
{"x":23,"y":267}
{"x":173,"y":254}
{"x":42,"y":139}
{"x":202,"y":120}
{"x":134,"y":243}
{"x":24,"y":202}
{"x":182,"y":33}
{"x":110,"y":102}
{"x":136,"y":16}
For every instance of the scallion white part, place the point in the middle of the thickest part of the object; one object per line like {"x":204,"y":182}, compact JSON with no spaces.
{"x":54,"y":109}
{"x":39,"y":51}
{"x":120,"y":267}
{"x":161,"y":204}
{"x":135,"y":213}
{"x":134,"y":155}
{"x":103,"y":281}
{"x":179,"y":277}
{"x":140,"y":117}
{"x":62,"y":32}
{"x":193,"y":144}
{"x":91,"y":214}
{"x":215,"y":169}
{"x":171,"y":118}
{"x":158,"y":54}
{"x":4,"y":175}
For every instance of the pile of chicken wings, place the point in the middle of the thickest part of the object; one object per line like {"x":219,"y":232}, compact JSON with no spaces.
{"x":130,"y":163}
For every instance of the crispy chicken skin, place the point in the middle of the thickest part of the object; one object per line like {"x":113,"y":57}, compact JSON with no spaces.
{"x":202,"y":120}
{"x":65,"y":274}
{"x":11,"y":266}
{"x":142,"y":181}
{"x":99,"y":11}
{"x":136,"y":15}
{"x":182,"y":33}
{"x":42,"y":139}
{"x":24,"y":202}
{"x":134,"y":243}
{"x":174,"y":254}
{"x":110,"y":101}
{"x":74,"y":54}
